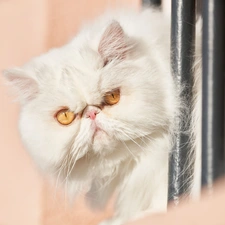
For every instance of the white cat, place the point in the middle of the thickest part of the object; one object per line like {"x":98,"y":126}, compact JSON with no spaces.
{"x":98,"y":113}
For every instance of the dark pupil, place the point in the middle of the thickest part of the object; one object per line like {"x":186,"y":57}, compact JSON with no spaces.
{"x":113,"y":95}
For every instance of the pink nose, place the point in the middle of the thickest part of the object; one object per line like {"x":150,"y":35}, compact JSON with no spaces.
{"x":92,"y":114}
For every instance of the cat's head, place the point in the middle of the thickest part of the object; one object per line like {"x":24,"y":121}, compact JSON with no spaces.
{"x":91,"y":97}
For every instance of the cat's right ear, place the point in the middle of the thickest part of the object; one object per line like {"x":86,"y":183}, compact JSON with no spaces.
{"x":113,"y":43}
{"x":24,"y":86}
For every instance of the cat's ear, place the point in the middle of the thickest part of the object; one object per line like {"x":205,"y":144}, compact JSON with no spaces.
{"x":24,"y":86}
{"x":113,"y":43}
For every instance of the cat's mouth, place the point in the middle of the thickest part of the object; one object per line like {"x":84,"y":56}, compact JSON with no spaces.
{"x":97,"y":132}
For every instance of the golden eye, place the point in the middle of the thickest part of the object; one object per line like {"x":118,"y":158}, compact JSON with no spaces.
{"x":65,"y":116}
{"x":112,"y":97}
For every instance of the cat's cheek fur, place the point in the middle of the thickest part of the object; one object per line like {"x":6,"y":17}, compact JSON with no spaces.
{"x":46,"y":142}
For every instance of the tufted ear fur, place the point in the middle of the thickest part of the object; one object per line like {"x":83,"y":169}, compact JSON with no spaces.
{"x":113,"y":43}
{"x":24,"y":86}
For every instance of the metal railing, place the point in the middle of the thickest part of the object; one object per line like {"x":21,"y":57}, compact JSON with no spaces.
{"x":183,"y":13}
{"x":182,"y":60}
{"x":213,"y":12}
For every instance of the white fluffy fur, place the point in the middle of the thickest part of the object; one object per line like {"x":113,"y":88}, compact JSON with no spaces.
{"x":131,"y":155}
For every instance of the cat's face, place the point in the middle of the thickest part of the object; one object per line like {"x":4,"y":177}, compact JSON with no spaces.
{"x":78,"y":101}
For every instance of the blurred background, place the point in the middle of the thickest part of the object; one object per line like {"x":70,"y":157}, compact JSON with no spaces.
{"x":29,"y":28}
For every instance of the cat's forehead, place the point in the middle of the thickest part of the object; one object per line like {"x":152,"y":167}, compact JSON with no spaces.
{"x":75,"y":75}
{"x":71,"y":55}
{"x":79,"y":66}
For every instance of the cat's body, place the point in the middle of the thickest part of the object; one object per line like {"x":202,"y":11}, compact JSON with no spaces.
{"x":123,"y":146}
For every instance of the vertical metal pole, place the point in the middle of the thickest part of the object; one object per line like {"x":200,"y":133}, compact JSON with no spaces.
{"x":182,"y":57}
{"x":151,"y":2}
{"x":213,"y":90}
{"x":199,"y":6}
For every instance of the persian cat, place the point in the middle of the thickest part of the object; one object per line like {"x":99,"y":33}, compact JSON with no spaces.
{"x":98,"y":114}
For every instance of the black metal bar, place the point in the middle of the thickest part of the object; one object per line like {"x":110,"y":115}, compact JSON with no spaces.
{"x":199,"y":6}
{"x":182,"y":57}
{"x":213,"y":90}
{"x":151,"y":2}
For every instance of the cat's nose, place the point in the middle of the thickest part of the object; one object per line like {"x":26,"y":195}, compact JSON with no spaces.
{"x":91,"y":112}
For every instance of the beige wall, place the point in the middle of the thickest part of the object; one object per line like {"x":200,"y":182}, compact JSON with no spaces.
{"x":22,"y":35}
{"x":28,"y":28}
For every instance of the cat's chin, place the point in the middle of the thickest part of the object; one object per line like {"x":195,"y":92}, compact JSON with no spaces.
{"x":102,"y":143}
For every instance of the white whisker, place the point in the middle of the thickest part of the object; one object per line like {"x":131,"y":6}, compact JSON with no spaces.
{"x":132,"y":140}
{"x":128,"y":149}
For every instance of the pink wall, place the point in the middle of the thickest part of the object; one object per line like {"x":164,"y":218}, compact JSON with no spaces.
{"x":23,"y":32}
{"x":28,"y":28}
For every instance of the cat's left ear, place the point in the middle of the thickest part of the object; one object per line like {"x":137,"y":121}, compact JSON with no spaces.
{"x":24,"y":86}
{"x":113,"y":43}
